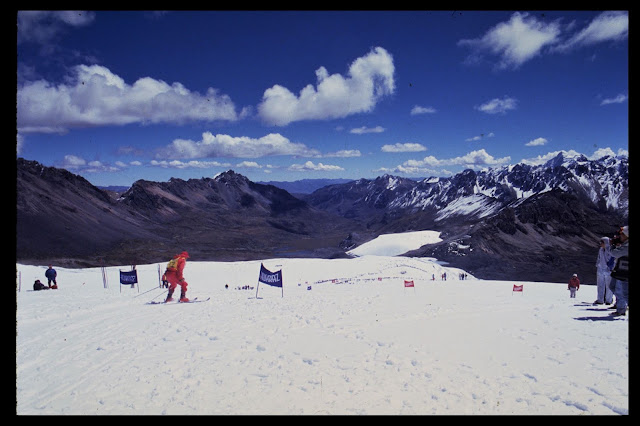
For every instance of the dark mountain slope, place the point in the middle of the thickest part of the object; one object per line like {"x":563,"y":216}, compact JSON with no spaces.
{"x":547,"y":237}
{"x":62,"y":216}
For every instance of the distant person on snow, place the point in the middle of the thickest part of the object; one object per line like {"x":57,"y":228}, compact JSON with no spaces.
{"x":39,"y":286}
{"x":51,"y":275}
{"x":604,"y":265}
{"x":174,"y":276}
{"x":620,"y":273}
{"x":574,"y":285}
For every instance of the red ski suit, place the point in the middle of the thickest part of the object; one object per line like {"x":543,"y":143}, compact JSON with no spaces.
{"x":574,"y":282}
{"x":174,"y":276}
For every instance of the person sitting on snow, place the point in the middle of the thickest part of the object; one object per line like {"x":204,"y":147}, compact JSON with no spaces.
{"x":37,"y":285}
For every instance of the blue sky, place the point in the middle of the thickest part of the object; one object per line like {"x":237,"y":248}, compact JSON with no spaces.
{"x":117,"y":96}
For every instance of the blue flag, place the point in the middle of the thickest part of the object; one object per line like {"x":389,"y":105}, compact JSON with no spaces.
{"x":129,"y":277}
{"x":270,"y":278}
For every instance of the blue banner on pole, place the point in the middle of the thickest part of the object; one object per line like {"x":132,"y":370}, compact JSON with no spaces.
{"x":128,"y":277}
{"x":270,"y":278}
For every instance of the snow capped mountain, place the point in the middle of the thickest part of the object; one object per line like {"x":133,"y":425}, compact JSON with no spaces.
{"x":533,"y":220}
{"x":602,"y":182}
{"x":526,"y":220}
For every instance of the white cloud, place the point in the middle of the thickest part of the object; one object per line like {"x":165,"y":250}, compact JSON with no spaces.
{"x":80,"y":165}
{"x":537,"y":142}
{"x":408,"y":170}
{"x":514,"y":42}
{"x":603,"y":152}
{"x":369,"y":79}
{"x":422,"y":110}
{"x":249,"y":164}
{"x":363,"y":130}
{"x":524,"y":37}
{"x":311,"y":167}
{"x":403,"y":147}
{"x":477,"y":138}
{"x":94,"y":96}
{"x":498,"y":106}
{"x":73,"y":162}
{"x":344,"y":153}
{"x":177,"y":164}
{"x":472,"y":159}
{"x":122,"y":165}
{"x":476,"y":158}
{"x":44,"y":26}
{"x":617,"y":100}
{"x":240,"y":147}
{"x":608,"y":26}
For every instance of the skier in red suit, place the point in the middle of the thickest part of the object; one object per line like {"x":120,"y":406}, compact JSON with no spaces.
{"x":174,"y":275}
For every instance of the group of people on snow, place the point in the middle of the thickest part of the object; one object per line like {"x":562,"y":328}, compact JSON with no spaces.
{"x":612,"y":273}
{"x":51,"y":276}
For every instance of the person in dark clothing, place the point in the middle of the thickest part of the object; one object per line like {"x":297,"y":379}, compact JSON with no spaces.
{"x":37,"y":285}
{"x":51,"y":275}
{"x":620,"y":274}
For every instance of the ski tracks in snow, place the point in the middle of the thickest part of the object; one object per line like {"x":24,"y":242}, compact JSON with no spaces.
{"x":360,"y":347}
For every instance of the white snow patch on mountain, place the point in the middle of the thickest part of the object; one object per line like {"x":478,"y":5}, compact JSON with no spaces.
{"x":396,"y":244}
{"x":478,"y":205}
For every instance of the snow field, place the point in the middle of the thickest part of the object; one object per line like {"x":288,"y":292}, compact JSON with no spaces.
{"x":357,"y":342}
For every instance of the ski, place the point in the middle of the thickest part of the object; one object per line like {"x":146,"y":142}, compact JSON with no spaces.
{"x":177,"y":302}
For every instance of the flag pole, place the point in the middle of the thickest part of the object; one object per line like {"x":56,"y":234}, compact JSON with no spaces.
{"x":258,"y":285}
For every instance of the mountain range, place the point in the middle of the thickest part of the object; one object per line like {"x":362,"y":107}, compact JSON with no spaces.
{"x":521,"y":222}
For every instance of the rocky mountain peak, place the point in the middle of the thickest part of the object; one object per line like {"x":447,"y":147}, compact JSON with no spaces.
{"x":522,"y":218}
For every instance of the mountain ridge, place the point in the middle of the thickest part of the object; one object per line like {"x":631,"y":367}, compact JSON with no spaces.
{"x":519,"y":217}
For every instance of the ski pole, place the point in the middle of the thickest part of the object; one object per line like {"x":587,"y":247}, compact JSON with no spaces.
{"x":164,"y":292}
{"x":155,"y":288}
{"x":160,"y":294}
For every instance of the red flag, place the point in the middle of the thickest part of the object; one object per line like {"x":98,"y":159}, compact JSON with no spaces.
{"x":408,"y":283}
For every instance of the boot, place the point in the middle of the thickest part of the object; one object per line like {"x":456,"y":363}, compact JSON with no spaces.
{"x":183,"y":297}
{"x":169,"y":298}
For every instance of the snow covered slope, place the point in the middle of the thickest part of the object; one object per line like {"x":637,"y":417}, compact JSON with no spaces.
{"x":342,"y":336}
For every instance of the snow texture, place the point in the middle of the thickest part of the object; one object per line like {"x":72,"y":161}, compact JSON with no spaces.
{"x":342,"y":336}
{"x":396,"y":244}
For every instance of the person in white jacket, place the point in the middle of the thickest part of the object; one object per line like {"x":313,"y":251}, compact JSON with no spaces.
{"x":604,"y":264}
